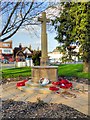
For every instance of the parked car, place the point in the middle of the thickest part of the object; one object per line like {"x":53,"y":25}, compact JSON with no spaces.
{"x":5,"y":61}
{"x":1,"y":60}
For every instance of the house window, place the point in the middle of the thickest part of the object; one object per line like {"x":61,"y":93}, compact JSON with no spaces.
{"x":6,"y":44}
{"x":7,"y":51}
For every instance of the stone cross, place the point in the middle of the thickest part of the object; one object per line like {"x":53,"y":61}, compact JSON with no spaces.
{"x":44,"y":55}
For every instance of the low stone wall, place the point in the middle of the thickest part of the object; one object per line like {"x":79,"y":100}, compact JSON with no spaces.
{"x":49,"y":72}
{"x":20,"y":64}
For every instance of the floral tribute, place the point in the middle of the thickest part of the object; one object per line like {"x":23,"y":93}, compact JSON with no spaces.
{"x":53,"y":88}
{"x":44,"y":81}
{"x":21,"y":83}
{"x":63,"y":83}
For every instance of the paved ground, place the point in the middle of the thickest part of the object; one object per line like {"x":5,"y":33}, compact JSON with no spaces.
{"x":81,"y":103}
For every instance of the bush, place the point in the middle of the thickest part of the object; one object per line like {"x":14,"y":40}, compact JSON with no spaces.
{"x":36,"y":57}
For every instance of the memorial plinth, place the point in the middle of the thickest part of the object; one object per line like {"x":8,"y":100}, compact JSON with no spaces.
{"x":49,"y":72}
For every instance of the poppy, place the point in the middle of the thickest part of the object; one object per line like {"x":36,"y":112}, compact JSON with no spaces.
{"x":53,"y":88}
{"x":56,"y":83}
{"x":21,"y":83}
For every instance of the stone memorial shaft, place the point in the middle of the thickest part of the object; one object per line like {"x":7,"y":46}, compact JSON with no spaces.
{"x":44,"y":55}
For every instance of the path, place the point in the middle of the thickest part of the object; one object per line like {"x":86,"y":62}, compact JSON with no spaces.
{"x":9,"y":91}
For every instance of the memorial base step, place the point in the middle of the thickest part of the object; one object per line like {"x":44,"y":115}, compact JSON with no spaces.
{"x":33,"y":84}
{"x":35,"y":90}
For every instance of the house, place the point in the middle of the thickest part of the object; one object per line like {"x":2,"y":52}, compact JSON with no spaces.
{"x":6,"y":50}
{"x":21,"y":53}
{"x":55,"y":56}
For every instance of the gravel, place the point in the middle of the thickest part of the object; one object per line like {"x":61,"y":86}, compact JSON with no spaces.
{"x":5,"y":80}
{"x":40,"y":110}
{"x":75,"y":79}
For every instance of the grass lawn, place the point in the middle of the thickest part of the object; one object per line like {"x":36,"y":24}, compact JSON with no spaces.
{"x":63,"y":70}
{"x":16,"y":72}
{"x":75,"y":70}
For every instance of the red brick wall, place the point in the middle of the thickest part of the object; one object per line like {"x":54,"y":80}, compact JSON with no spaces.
{"x":6,"y":44}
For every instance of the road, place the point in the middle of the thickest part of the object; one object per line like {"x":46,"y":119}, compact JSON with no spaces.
{"x":6,"y":66}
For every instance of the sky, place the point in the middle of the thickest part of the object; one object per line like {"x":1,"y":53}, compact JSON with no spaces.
{"x":32,"y":35}
{"x":33,"y":38}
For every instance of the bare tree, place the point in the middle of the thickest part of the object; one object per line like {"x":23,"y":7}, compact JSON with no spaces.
{"x":52,"y":12}
{"x":18,"y":14}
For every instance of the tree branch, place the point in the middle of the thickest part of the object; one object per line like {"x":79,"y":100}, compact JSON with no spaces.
{"x":19,"y":24}
{"x":10,"y":17}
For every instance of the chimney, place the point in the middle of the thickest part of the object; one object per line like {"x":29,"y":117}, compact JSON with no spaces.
{"x":20,"y":45}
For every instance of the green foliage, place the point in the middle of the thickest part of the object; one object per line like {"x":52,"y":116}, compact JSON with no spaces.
{"x":74,"y":25}
{"x":36,"y":57}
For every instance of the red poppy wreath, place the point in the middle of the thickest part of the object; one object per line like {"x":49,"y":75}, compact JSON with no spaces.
{"x":21,"y":83}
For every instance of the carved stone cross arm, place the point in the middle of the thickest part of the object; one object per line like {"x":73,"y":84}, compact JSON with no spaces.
{"x":43,"y":20}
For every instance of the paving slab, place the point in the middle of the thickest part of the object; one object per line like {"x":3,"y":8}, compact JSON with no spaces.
{"x":89,"y":110}
{"x":9,"y":85}
{"x":48,"y":98}
{"x":80,"y":103}
{"x":36,"y":96}
{"x":19,"y":97}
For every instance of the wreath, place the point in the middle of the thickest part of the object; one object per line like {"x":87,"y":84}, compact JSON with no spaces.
{"x":41,"y":80}
{"x":21,"y":83}
{"x":53,"y":88}
{"x":63,"y":83}
{"x":44,"y":81}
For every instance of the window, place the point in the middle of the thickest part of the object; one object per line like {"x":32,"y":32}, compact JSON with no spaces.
{"x":7,"y":51}
{"x":6,"y":44}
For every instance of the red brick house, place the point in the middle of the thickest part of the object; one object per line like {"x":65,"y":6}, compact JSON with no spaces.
{"x":6,"y":51}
